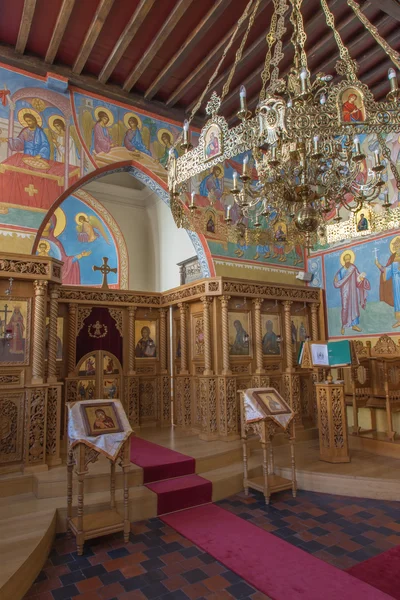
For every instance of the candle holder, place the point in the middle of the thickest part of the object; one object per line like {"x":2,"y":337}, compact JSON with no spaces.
{"x":244,"y":114}
{"x":186,"y":146}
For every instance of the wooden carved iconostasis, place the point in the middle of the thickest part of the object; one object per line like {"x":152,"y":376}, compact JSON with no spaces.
{"x":63,"y":344}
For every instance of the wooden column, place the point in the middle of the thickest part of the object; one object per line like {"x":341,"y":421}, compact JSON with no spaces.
{"x":226,"y":368}
{"x":52,"y":342}
{"x":72,"y":312}
{"x":184,"y":357}
{"x":165,"y":383}
{"x":317,"y":374}
{"x":163,"y":339}
{"x":288,"y":335}
{"x":314,"y":322}
{"x":291,"y":380}
{"x":39,"y":326}
{"x":207,"y":335}
{"x":258,"y":338}
{"x":131,"y":334}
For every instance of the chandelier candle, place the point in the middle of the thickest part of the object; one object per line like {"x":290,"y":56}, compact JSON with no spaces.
{"x":235,"y":180}
{"x":245,"y":163}
{"x":303,"y":80}
{"x":394,"y":86}
{"x":243,"y":105}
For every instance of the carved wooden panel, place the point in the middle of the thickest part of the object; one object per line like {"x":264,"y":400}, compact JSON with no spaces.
{"x":148,"y":400}
{"x":197,"y":336}
{"x":12,"y":426}
{"x":10,"y":377}
{"x":196,"y":408}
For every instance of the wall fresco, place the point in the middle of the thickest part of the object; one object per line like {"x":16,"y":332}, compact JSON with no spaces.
{"x":77,"y":235}
{"x":51,"y":137}
{"x":362,"y":287}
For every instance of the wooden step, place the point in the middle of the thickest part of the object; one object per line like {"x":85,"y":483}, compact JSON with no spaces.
{"x":25,"y":543}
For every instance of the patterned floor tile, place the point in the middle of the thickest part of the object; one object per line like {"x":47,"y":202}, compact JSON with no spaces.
{"x":159,"y":563}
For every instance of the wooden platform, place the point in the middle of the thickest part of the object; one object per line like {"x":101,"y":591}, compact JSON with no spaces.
{"x":33,"y":506}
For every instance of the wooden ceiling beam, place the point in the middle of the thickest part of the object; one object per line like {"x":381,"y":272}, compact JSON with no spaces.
{"x":89,"y":83}
{"x":391,"y":8}
{"x":25,"y":25}
{"x":92,"y":34}
{"x":193,"y":78}
{"x":169,"y":25}
{"x":194,"y":38}
{"x":247,"y":55}
{"x":364,"y":33}
{"x":59,"y":29}
{"x":135,"y":22}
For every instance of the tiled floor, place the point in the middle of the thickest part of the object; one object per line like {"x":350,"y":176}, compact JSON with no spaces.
{"x":156,"y":563}
{"x":340,"y":530}
{"x":160,"y":563}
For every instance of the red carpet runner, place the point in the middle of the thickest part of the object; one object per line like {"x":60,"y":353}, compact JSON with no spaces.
{"x":382,"y":571}
{"x":171,"y":476}
{"x":184,"y":492}
{"x":270,"y":564}
{"x":159,"y":462}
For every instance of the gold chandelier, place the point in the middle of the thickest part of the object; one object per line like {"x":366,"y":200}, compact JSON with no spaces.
{"x":304,"y":140}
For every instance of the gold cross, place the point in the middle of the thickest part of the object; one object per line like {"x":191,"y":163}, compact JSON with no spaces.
{"x":31,"y":190}
{"x":105,"y":270}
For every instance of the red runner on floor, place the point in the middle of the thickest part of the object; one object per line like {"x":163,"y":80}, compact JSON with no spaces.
{"x":184,"y":492}
{"x":273,"y":566}
{"x":159,"y":462}
{"x":382,"y":571}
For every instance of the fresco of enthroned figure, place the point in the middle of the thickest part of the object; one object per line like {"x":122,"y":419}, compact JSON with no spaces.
{"x":31,"y":140}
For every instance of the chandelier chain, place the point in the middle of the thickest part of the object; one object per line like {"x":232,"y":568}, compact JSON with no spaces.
{"x":393,"y":55}
{"x":270,"y":39}
{"x":349,"y":64}
{"x":214,"y":75}
{"x":299,"y":35}
{"x":239,"y":51}
{"x":281,"y":9}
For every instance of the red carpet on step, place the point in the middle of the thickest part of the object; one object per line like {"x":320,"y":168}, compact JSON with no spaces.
{"x":382,"y":571}
{"x":177,"y":494}
{"x":159,"y":462}
{"x":273,"y":566}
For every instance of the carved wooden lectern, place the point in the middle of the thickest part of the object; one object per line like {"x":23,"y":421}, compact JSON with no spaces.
{"x":332,"y":416}
{"x":97,"y":427}
{"x":264,"y":413}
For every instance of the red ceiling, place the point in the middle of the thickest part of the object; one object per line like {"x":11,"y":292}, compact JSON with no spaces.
{"x":320,"y":46}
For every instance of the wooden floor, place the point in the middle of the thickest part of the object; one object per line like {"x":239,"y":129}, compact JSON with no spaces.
{"x":36,"y":502}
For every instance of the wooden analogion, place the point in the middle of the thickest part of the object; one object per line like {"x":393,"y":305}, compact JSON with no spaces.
{"x":97,"y":428}
{"x":265,"y":413}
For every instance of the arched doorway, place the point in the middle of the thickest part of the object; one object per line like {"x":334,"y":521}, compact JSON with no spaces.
{"x":155,"y":184}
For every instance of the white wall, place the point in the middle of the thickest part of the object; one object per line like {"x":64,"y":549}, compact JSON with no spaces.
{"x":155,"y":245}
{"x":170,"y":246}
